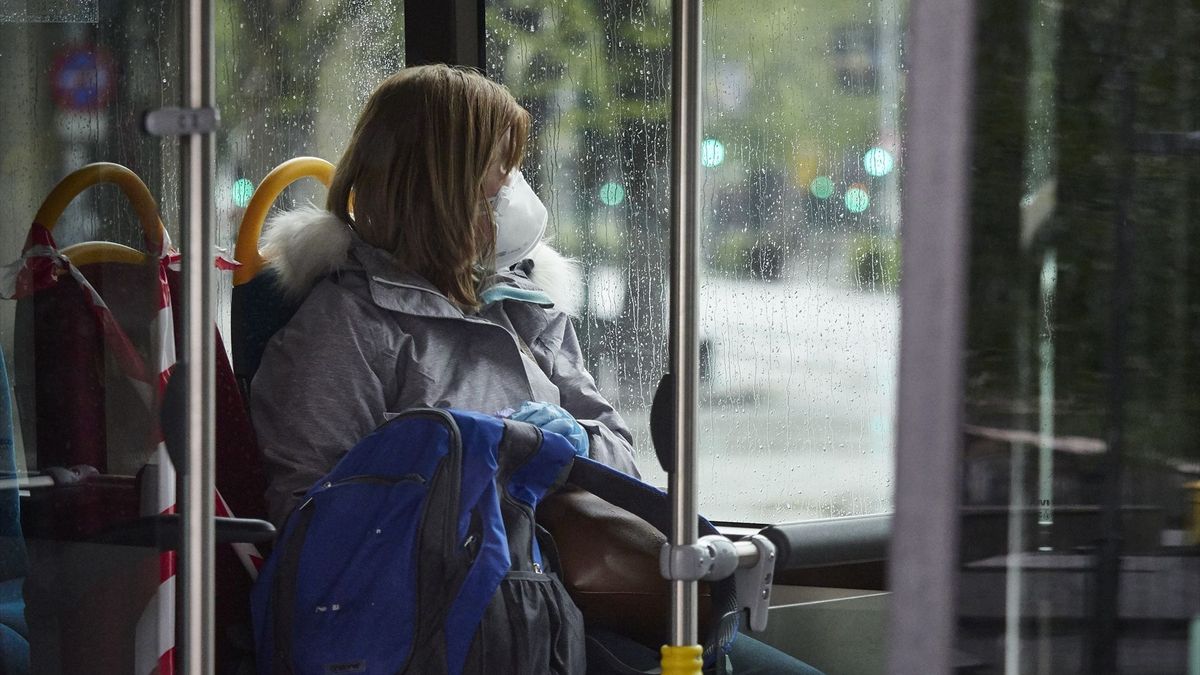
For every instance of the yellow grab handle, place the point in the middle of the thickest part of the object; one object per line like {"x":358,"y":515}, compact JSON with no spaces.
{"x":685,"y":660}
{"x":246,"y":251}
{"x":104,"y":172}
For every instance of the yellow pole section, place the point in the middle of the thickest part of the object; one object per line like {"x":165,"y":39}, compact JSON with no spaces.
{"x":682,"y":660}
{"x":1194,"y":486}
{"x":265,"y":195}
{"x":104,"y":172}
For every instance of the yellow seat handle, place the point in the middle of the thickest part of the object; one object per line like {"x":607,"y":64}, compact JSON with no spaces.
{"x":81,"y":179}
{"x":99,"y":252}
{"x":246,"y":252}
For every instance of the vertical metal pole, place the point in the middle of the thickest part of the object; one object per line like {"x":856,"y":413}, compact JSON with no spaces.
{"x":196,"y":491}
{"x":1104,"y":650}
{"x":1048,"y":282}
{"x":685,"y":148}
{"x":1014,"y":581}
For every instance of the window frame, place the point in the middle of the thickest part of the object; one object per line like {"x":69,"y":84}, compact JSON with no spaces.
{"x":933,"y":293}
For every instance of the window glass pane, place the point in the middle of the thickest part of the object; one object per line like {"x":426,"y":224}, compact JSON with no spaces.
{"x":77,"y":392}
{"x":291,"y":81}
{"x":78,"y":77}
{"x":1080,"y":466}
{"x":800,"y":192}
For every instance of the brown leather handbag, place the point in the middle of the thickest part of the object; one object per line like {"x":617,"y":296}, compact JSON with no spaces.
{"x":608,"y":561}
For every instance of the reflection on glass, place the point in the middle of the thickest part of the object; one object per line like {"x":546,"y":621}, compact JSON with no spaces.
{"x":81,"y":588}
{"x":1078,"y":529}
{"x":78,"y":77}
{"x":800,"y":163}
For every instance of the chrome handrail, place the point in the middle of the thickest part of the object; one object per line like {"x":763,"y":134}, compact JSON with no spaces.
{"x":197,"y":509}
{"x":685,"y":147}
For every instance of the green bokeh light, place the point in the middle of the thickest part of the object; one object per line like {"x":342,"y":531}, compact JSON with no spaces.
{"x":243,"y":190}
{"x":712,"y":153}
{"x":878,"y":162}
{"x":857,"y":200}
{"x":612,"y":194}
{"x":821,"y":187}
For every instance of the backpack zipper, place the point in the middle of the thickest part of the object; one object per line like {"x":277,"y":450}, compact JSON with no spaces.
{"x":471,"y":544}
{"x":375,"y":478}
{"x":363,"y":478}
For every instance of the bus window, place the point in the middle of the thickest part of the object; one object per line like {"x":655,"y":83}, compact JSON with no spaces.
{"x":291,"y":79}
{"x":78,"y":77}
{"x":801,"y":158}
{"x":1079,"y":464}
{"x":83,"y":584}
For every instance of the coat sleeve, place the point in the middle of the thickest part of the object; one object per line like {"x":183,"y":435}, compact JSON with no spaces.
{"x":608,"y":436}
{"x":315,"y":395}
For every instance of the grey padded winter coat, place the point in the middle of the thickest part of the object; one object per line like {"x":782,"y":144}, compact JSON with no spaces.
{"x":369,"y":342}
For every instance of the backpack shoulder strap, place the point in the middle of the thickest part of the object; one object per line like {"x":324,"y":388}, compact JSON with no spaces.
{"x":622,"y":490}
{"x":653,"y":506}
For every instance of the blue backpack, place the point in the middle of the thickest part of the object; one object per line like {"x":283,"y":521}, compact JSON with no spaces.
{"x":392,"y":561}
{"x":419,"y":553}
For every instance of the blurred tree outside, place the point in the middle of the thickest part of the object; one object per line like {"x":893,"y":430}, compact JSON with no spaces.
{"x":602,"y":70}
{"x":791,"y":93}
{"x":292,"y":76}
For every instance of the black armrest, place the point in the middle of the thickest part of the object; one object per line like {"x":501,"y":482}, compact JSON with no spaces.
{"x":163,"y":532}
{"x":829,"y":542}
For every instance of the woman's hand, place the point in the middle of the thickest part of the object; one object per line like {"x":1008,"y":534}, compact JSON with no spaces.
{"x":552,"y":418}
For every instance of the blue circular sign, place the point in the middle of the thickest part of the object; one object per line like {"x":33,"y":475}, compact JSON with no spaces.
{"x":82,"y":78}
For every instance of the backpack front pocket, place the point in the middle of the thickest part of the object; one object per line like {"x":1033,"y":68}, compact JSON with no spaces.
{"x":531,"y":626}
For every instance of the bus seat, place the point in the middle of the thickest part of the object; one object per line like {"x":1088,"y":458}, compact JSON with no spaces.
{"x":241,"y":481}
{"x":259,"y":311}
{"x":259,"y":308}
{"x":78,"y":407}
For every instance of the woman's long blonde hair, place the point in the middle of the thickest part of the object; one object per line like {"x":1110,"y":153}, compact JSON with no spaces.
{"x":415,"y":168}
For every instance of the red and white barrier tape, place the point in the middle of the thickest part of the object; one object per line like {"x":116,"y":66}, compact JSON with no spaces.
{"x":40,"y":266}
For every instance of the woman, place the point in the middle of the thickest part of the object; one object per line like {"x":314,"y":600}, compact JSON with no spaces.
{"x":401,"y":306}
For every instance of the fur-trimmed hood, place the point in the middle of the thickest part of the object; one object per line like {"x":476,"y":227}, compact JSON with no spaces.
{"x":308,"y":243}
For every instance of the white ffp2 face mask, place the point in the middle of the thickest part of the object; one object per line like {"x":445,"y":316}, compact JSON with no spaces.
{"x":520,"y":220}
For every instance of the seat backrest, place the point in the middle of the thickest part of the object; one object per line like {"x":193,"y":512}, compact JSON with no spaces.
{"x":75,"y":395}
{"x":260,"y":309}
{"x":12,"y":548}
{"x":86,"y":383}
{"x":259,"y":306}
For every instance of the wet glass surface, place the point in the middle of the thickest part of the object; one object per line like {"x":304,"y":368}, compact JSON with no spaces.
{"x":82,"y":589}
{"x":79,"y":76}
{"x":292,"y":79}
{"x":801,"y":159}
